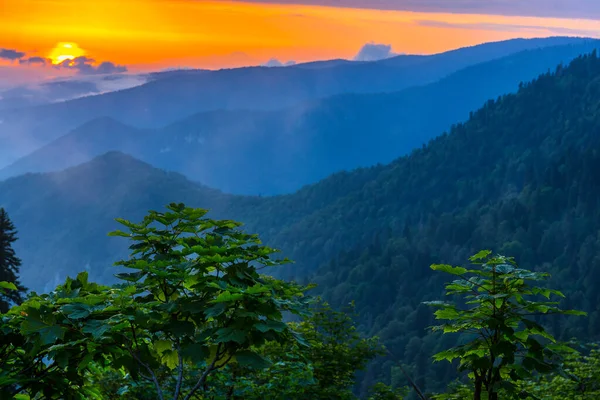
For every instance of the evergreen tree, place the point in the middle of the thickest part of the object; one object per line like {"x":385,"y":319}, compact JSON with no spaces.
{"x":9,"y":262}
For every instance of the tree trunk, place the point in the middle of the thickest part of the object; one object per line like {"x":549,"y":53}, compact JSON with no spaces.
{"x":478,"y":386}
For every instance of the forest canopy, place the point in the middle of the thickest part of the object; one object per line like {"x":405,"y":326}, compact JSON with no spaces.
{"x":194,"y":317}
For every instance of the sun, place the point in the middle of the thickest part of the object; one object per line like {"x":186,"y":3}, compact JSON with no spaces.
{"x":65,"y":51}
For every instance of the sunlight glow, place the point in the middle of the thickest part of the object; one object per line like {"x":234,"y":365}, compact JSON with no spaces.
{"x":65,"y":51}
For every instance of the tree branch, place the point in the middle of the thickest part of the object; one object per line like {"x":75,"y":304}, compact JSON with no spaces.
{"x":150,"y":371}
{"x":202,"y":379}
{"x":180,"y":373}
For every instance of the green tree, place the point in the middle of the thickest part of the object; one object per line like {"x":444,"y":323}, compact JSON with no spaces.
{"x":322,"y":366}
{"x":194,"y":304}
{"x":579,"y":380}
{"x":504,"y":343}
{"x":9,"y":263}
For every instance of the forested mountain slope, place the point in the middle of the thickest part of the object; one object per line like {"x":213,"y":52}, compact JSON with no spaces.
{"x":270,"y":152}
{"x":163,"y":101}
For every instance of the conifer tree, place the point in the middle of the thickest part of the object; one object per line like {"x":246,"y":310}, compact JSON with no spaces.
{"x":9,"y":263}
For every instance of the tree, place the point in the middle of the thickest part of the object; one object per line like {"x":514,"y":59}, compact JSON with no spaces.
{"x":504,"y":343}
{"x":579,"y":380}
{"x":194,"y":304}
{"x":322,"y":366}
{"x":9,"y":263}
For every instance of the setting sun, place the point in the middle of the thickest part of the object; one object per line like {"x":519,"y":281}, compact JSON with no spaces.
{"x":65,"y":51}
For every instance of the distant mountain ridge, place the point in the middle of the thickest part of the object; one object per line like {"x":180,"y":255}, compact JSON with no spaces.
{"x":164,"y":101}
{"x":270,"y":152}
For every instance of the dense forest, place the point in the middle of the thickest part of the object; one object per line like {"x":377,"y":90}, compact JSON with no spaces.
{"x":193,"y":318}
{"x":519,"y":177}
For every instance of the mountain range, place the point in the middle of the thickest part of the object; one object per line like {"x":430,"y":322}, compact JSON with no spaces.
{"x":278,"y":151}
{"x":175,"y":96}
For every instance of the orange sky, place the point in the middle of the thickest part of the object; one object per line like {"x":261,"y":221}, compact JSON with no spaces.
{"x":152,"y":34}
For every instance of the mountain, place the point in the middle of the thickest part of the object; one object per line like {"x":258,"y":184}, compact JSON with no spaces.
{"x":519,"y":177}
{"x":271,"y":152}
{"x":179,"y":95}
{"x":87,"y":198}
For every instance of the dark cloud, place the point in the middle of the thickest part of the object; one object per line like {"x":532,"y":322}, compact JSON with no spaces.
{"x":374,"y":52}
{"x":34,"y":60}
{"x":540,"y":8}
{"x":273,"y":62}
{"x":509,"y":27}
{"x":109,"y":68}
{"x":10,"y":54}
{"x":84,"y":66}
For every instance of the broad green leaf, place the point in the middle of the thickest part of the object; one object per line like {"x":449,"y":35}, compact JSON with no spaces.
{"x":162,"y":345}
{"x":449,"y":269}
{"x":250,"y":359}
{"x":230,"y":335}
{"x":131,"y":276}
{"x":7,"y":285}
{"x":482,"y":255}
{"x":49,"y":332}
{"x":270,"y":325}
{"x":215,"y":310}
{"x":96,"y":328}
{"x":76,"y":310}
{"x":170,"y":358}
{"x":182,"y":328}
{"x":227,"y":297}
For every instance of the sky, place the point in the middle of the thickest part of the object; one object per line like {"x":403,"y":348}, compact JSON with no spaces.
{"x":112,"y":36}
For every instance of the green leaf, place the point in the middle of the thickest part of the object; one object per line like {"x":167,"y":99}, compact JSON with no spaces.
{"x":447,"y":313}
{"x":48,"y":331}
{"x":270,"y":325}
{"x":449,"y":269}
{"x":196,"y":352}
{"x":76,"y":310}
{"x":483,"y":254}
{"x":170,"y":358}
{"x":230,"y":335}
{"x":575,"y":312}
{"x":96,"y":328}
{"x":258,"y":289}
{"x":447,"y":355}
{"x":215,"y":310}
{"x":131,"y":276}
{"x":7,"y":285}
{"x":162,"y":345}
{"x":226,"y":296}
{"x":182,"y":328}
{"x":250,"y":359}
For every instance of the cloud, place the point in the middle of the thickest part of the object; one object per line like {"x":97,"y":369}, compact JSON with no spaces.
{"x":10,"y":54}
{"x":539,"y":8}
{"x":84,"y":66}
{"x":374,"y":52}
{"x":34,"y":60}
{"x":273,"y":62}
{"x":508,"y":28}
{"x":67,"y":88}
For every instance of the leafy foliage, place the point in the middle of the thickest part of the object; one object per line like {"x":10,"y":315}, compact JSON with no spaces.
{"x":195,"y":302}
{"x":194,"y":317}
{"x":504,"y":343}
{"x":579,"y":380}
